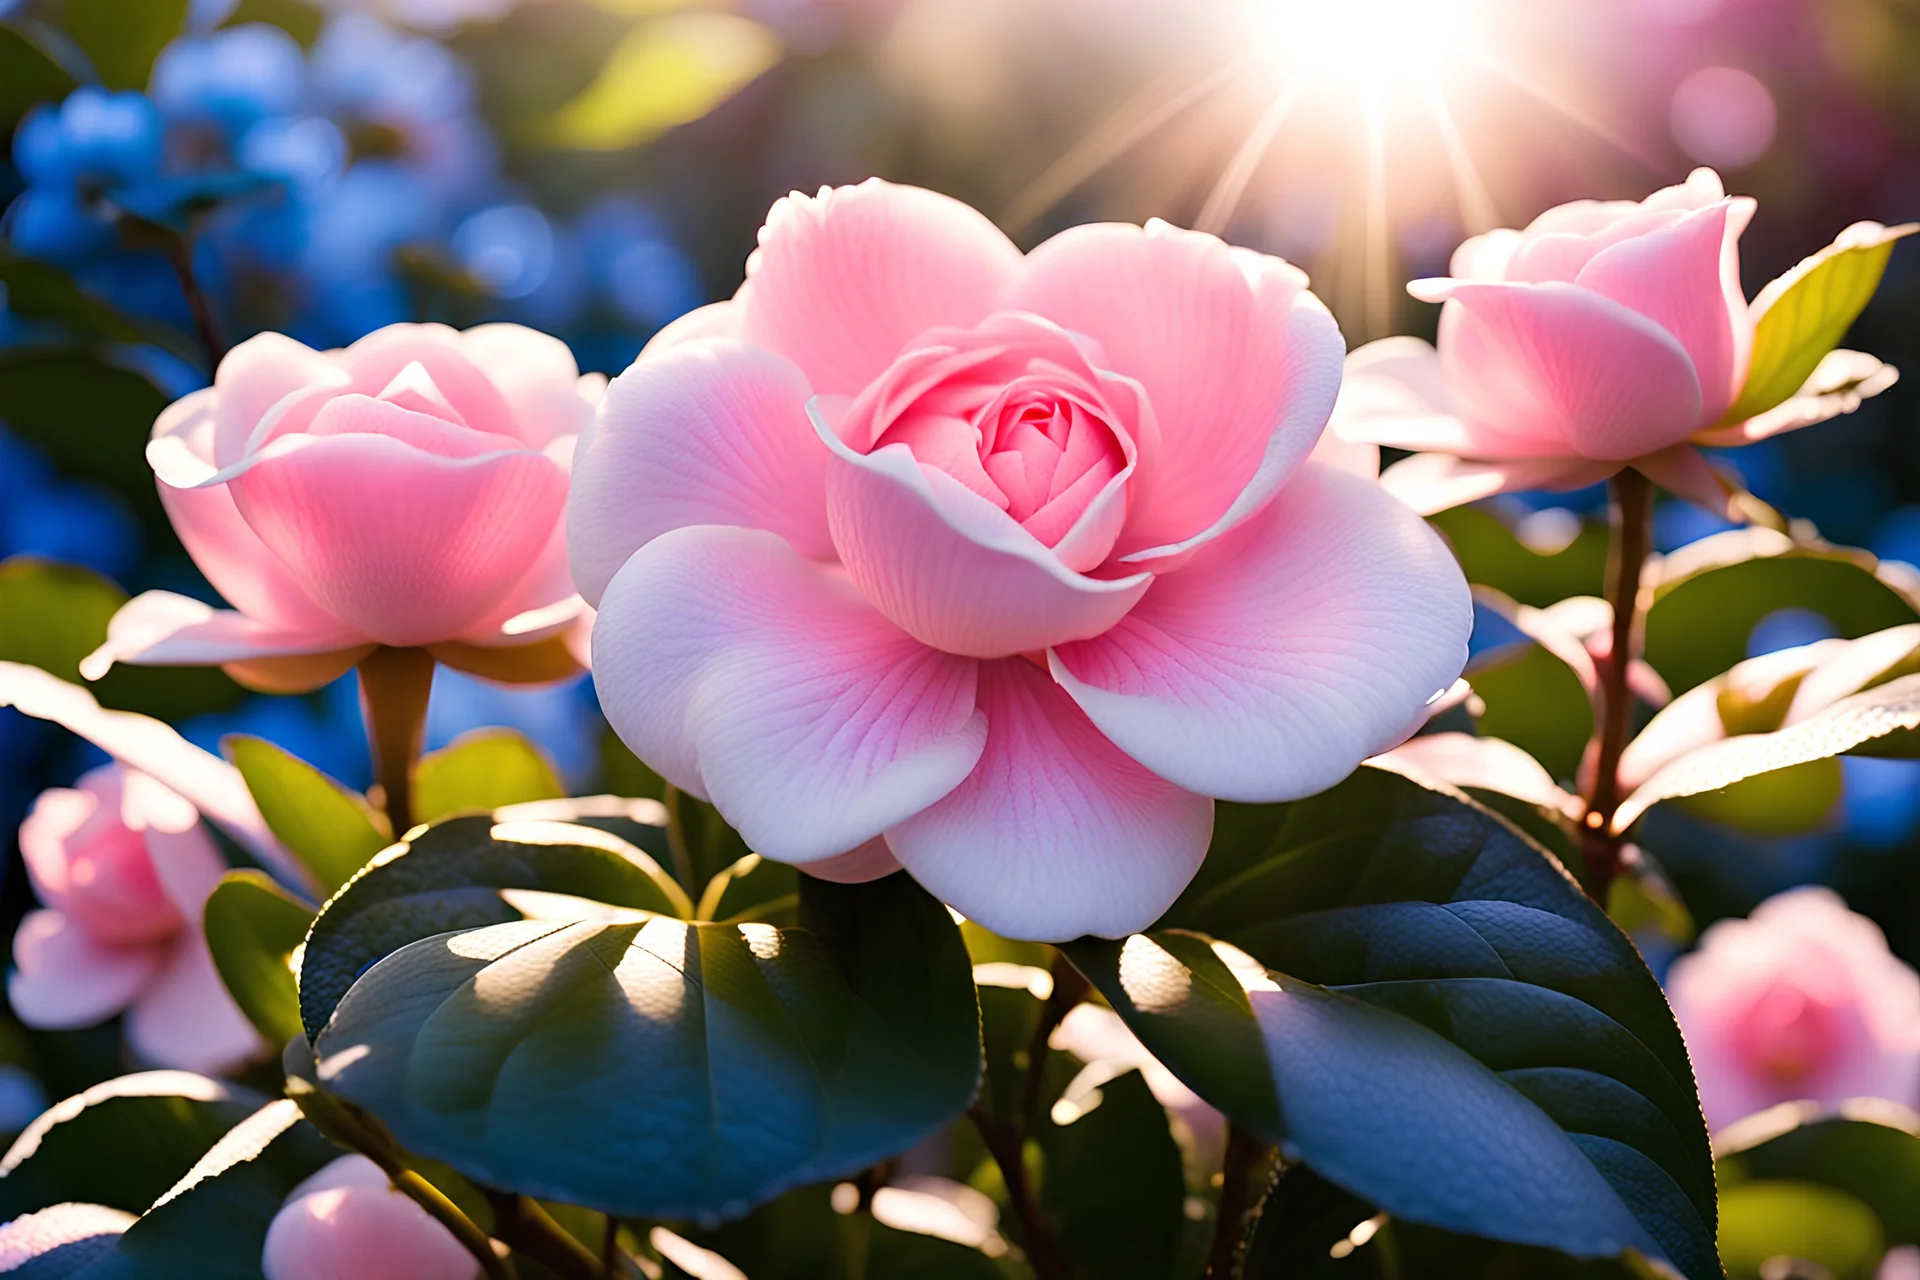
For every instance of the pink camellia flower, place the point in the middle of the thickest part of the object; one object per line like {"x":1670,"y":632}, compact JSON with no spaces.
{"x":1606,"y":335}
{"x":1800,"y":1001}
{"x":999,"y":566}
{"x":347,"y":1222}
{"x":406,"y":491}
{"x":123,"y":868}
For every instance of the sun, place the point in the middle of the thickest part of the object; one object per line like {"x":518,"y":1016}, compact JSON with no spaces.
{"x":1372,"y":48}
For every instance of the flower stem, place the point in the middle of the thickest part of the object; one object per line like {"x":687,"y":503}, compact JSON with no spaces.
{"x":1008,"y":1151}
{"x":1632,"y":540}
{"x":531,"y":1230}
{"x":179,"y":251}
{"x":677,"y":851}
{"x":448,"y":1215}
{"x":1069,"y":989}
{"x":394,"y":687}
{"x":1243,"y":1189}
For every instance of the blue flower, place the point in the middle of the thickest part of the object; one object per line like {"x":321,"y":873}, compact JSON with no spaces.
{"x":233,"y":78}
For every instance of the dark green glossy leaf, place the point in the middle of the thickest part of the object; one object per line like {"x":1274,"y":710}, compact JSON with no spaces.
{"x":28,"y":75}
{"x":1312,"y":1230}
{"x":38,"y":390}
{"x":156,"y":1124}
{"x":41,"y":291}
{"x":480,"y":772}
{"x":212,"y":1225}
{"x":1701,"y":618}
{"x":1112,"y":1181}
{"x":800,"y":1237}
{"x":450,"y":877}
{"x":753,"y":888}
{"x":1416,"y":1002}
{"x":1493,"y":556}
{"x":299,"y":20}
{"x":123,"y":37}
{"x":331,"y":829}
{"x":769,"y":1058}
{"x":253,"y":927}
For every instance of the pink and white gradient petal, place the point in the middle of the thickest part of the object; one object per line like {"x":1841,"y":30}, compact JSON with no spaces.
{"x":708,"y":433}
{"x":1546,"y":369}
{"x":1486,"y":764}
{"x":845,"y":279}
{"x":1286,"y":653}
{"x":952,"y":569}
{"x":63,"y":978}
{"x":871,"y":861}
{"x":159,"y":628}
{"x":252,"y":378}
{"x":1686,"y":279}
{"x":186,"y":1019}
{"x":536,"y":375}
{"x":1431,"y":482}
{"x":762,"y":681}
{"x":1056,"y":833}
{"x":402,"y":546}
{"x":1241,"y":364}
{"x":1685,"y":472}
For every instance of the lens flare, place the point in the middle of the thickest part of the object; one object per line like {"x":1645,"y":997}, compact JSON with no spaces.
{"x":1372,"y":47}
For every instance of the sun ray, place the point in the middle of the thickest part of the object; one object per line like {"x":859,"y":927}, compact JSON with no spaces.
{"x":1598,"y":128}
{"x":1227,"y":192}
{"x":1378,"y":303}
{"x":1478,"y":212}
{"x":1138,"y":119}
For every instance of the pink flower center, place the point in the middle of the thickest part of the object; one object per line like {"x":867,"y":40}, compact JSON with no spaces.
{"x":1015,"y":411}
{"x":1789,"y":1034}
{"x":111,"y":886}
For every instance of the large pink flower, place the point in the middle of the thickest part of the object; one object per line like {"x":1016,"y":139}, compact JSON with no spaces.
{"x":1802,"y":1000}
{"x":347,"y":1222}
{"x":405,"y":491}
{"x":1605,"y":335}
{"x":999,"y":566}
{"x":123,"y":868}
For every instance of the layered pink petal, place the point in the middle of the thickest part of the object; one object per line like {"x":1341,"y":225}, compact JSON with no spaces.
{"x":1430,"y":482}
{"x":204,"y":780}
{"x":542,"y":604}
{"x":159,"y":628}
{"x":706,"y":433}
{"x":871,"y":861}
{"x":761,"y":680}
{"x":186,"y":1019}
{"x":1241,"y":364}
{"x":1056,"y":833}
{"x":225,"y":549}
{"x":843,"y":280}
{"x":715,"y":320}
{"x":537,"y":377}
{"x":1840,"y":383}
{"x":1394,"y":393}
{"x":253,"y":378}
{"x":1284,"y":655}
{"x":1686,"y":279}
{"x":404,"y":547}
{"x":952,"y":569}
{"x":383,"y":355}
{"x":1487,"y":764}
{"x":1552,"y":368}
{"x":63,"y":978}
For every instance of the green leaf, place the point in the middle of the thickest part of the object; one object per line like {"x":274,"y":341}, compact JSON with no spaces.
{"x":52,"y":615}
{"x":753,"y":888}
{"x":1493,"y":555}
{"x":479,"y":772}
{"x":299,"y":20}
{"x":1804,"y":314}
{"x":770,"y":1057}
{"x":451,"y":877}
{"x":156,"y":1124}
{"x":1881,"y":721}
{"x":1760,"y":1221}
{"x":38,"y":390}
{"x":331,"y":829}
{"x":1708,"y":597}
{"x":1112,"y":1180}
{"x":663,"y":74}
{"x":1417,"y":1003}
{"x":28,"y":75}
{"x":212,"y":1225}
{"x":39,"y":290}
{"x":1310,"y":1230}
{"x":253,"y":927}
{"x":1876,"y":1160}
{"x":800,"y":1237}
{"x":1786,"y":802}
{"x":123,"y":37}
{"x":1535,"y":701}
